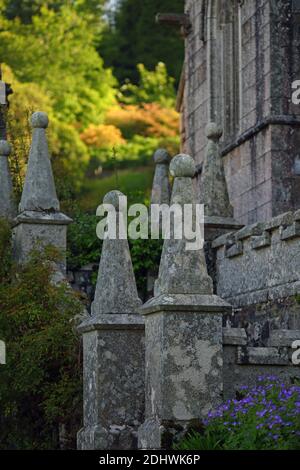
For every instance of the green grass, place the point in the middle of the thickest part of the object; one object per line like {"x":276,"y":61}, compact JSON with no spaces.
{"x":134,"y":183}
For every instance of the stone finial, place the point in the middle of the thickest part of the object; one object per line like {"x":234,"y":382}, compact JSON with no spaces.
{"x":161,"y":186}
{"x":213,"y":131}
{"x":182,"y":271}
{"x":113,"y":198}
{"x":214,"y":192}
{"x":161,"y":156}
{"x":39,"y":193}
{"x":39,"y":120}
{"x":182,"y":166}
{"x":7,"y":207}
{"x":116,"y":290}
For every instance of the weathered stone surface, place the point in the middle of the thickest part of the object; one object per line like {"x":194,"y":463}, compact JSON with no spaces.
{"x":113,"y":377}
{"x":283,"y":338}
{"x":251,"y":100}
{"x":161,"y":190}
{"x":39,"y":193}
{"x":267,"y":267}
{"x":184,"y":362}
{"x":237,"y":375}
{"x":39,"y":222}
{"x":261,"y":241}
{"x":235,"y":250}
{"x":35,"y":230}
{"x":264,"y":356}
{"x":7,"y":204}
{"x":182,"y":271}
{"x":116,"y":290}
{"x":183,"y":332}
{"x":114,"y":352}
{"x":214,"y":193}
{"x":234,"y":336}
{"x":293,"y":231}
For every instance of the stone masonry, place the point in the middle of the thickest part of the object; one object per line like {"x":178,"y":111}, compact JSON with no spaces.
{"x":183,"y":334}
{"x":39,"y":221}
{"x":113,"y":352}
{"x":7,"y":203}
{"x":241,"y":59}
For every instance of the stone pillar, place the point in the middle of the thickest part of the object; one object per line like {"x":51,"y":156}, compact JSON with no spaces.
{"x":113,"y":353}
{"x":214,"y":192}
{"x":161,"y":186}
{"x":39,"y":221}
{"x":214,"y":195}
{"x":183,"y":335}
{"x":5,"y":91}
{"x":7,"y":205}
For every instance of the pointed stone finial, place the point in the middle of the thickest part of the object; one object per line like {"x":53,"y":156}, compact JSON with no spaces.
{"x":116,"y":290}
{"x":39,"y":193}
{"x":161,"y":186}
{"x":214,"y":192}
{"x":182,"y":271}
{"x":7,"y":207}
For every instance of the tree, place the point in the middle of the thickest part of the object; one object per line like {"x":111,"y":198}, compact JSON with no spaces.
{"x":57,"y":52}
{"x":26,"y":9}
{"x":154,"y":87}
{"x":134,"y":37}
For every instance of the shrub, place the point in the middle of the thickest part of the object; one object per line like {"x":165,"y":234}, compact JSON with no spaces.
{"x":148,"y":119}
{"x":266,"y":417}
{"x":40,"y":385}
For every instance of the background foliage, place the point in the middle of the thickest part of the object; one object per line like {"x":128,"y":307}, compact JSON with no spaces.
{"x":54,"y":55}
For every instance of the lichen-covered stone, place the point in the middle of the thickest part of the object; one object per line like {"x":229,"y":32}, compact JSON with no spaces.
{"x":113,"y":352}
{"x":214,"y":192}
{"x":161,"y":185}
{"x":39,"y":193}
{"x":7,"y":204}
{"x":116,"y":290}
{"x":113,"y":381}
{"x":183,"y":333}
{"x":182,"y":271}
{"x":39,"y":222}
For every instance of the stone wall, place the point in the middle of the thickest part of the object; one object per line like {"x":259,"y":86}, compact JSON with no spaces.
{"x":258,"y":273}
{"x":243,"y":364}
{"x":239,"y":66}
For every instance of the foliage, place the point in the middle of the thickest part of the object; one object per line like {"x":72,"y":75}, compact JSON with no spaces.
{"x":135,"y":183}
{"x":149,"y":120}
{"x":5,"y":249}
{"x":133,"y":37}
{"x":266,"y":417}
{"x":40,"y":386}
{"x":69,"y":154}
{"x":26,"y":9}
{"x":145,"y":256}
{"x":102,"y":136}
{"x":83,"y":245}
{"x":57,"y":52}
{"x":154,"y":87}
{"x":131,"y":135}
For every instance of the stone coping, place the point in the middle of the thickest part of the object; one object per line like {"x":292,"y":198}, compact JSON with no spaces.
{"x":289,"y":222}
{"x":222,"y":222}
{"x":234,"y":336}
{"x":268,"y":294}
{"x":186,"y":303}
{"x":111,"y":321}
{"x":42,"y":217}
